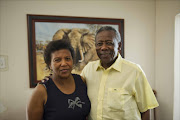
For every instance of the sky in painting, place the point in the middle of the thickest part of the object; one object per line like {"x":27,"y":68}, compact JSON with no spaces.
{"x":45,"y":30}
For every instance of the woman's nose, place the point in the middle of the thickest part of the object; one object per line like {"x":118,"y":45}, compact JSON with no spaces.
{"x":63,"y":63}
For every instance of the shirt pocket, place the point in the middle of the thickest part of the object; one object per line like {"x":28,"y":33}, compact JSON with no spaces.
{"x":117,"y":98}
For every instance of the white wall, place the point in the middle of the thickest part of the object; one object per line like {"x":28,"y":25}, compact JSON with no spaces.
{"x":164,"y":65}
{"x":140,"y":21}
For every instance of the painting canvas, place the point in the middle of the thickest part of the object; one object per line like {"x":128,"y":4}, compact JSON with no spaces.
{"x":80,"y":32}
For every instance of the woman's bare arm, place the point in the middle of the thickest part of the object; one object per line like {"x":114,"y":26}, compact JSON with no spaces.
{"x":35,"y":107}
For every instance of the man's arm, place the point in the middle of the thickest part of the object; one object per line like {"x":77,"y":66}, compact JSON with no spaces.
{"x":146,"y":115}
{"x":83,"y":80}
{"x":46,"y":78}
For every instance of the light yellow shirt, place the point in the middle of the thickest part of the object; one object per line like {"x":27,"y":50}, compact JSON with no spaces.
{"x":120,"y":92}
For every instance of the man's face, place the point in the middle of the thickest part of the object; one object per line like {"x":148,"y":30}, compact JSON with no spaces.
{"x":106,"y":47}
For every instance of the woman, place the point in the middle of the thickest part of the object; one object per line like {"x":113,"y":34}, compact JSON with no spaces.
{"x":64,"y":96}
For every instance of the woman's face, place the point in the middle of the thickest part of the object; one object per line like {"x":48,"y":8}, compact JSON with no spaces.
{"x":61,"y":63}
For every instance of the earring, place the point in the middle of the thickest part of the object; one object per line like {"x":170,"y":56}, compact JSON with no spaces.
{"x":51,"y":72}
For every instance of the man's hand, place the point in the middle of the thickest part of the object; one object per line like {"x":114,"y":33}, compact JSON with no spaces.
{"x":46,"y":78}
{"x":146,"y":115}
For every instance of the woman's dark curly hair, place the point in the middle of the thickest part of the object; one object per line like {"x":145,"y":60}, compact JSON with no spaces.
{"x":55,"y":46}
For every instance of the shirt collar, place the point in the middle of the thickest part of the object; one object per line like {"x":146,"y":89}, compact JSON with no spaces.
{"x":116,"y":65}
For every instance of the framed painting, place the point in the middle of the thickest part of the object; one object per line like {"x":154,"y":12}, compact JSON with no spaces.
{"x":80,"y":31}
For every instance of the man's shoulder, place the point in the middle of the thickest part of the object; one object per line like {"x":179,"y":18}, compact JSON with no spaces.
{"x":131,"y":64}
{"x":89,"y":68}
{"x":93,"y":63}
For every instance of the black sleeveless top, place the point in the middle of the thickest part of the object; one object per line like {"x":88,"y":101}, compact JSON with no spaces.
{"x":60,"y":106}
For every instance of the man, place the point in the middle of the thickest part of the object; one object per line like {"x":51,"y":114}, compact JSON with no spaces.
{"x":117,"y":88}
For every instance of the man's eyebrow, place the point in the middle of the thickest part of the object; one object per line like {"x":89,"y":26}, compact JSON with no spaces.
{"x":109,"y":40}
{"x":105,"y":40}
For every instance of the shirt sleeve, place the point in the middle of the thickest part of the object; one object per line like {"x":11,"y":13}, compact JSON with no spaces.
{"x":144,"y":95}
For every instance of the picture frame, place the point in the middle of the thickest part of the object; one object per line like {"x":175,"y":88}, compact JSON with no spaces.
{"x":44,"y":28}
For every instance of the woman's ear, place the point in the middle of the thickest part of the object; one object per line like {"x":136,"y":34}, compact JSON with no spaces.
{"x":51,"y":70}
{"x":50,"y":67}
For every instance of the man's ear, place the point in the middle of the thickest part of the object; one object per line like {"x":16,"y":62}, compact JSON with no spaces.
{"x":119,"y":47}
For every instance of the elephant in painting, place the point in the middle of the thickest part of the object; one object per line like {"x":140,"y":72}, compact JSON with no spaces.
{"x":83,"y":43}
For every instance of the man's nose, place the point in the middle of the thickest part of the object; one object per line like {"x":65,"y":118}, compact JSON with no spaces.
{"x":104,"y":46}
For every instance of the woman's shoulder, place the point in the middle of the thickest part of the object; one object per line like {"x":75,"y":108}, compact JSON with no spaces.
{"x":46,"y":82}
{"x":78,"y":77}
{"x":40,"y":88}
{"x":39,"y":93}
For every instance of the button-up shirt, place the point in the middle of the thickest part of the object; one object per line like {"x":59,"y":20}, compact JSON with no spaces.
{"x":119,"y":92}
